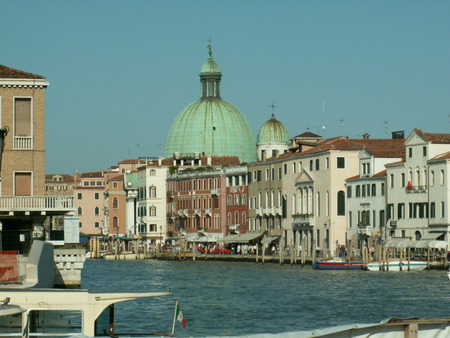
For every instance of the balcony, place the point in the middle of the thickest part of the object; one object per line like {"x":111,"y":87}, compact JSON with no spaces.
{"x":197,"y":212}
{"x":169,"y":194}
{"x":42,"y":204}
{"x":277,"y":211}
{"x":208,"y":212}
{"x":215,"y":192}
{"x":416,"y":189}
{"x":268,"y":211}
{"x":303,"y":219}
{"x":23,"y":143}
{"x":259,"y":211}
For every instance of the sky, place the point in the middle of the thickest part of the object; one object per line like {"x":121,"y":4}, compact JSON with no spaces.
{"x":120,"y":71}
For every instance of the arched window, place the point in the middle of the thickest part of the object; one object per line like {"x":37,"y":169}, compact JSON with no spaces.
{"x":116,"y":223}
{"x":80,"y":211}
{"x":152,"y":211}
{"x":152,"y":172}
{"x":96,"y":211}
{"x":229,"y":218}
{"x":236,"y":199}
{"x":236,"y":217}
{"x":341,"y":203}
{"x":152,"y":191}
{"x":244,"y":219}
{"x":418,"y":235}
{"x":115,"y":203}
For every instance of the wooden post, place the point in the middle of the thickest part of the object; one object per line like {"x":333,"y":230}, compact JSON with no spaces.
{"x":281,"y":248}
{"x":400,"y":261}
{"x":263,"y":253}
{"x":257,"y":252}
{"x":428,"y":258}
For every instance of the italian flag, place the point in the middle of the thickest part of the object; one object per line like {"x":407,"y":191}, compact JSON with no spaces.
{"x":179,"y":316}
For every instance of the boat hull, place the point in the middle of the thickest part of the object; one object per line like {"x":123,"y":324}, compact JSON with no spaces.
{"x":338,"y":265}
{"x":396,"y":266}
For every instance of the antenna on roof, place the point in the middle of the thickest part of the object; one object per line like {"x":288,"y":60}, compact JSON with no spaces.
{"x":323,"y":113}
{"x":342,"y":126}
{"x":386,"y":126}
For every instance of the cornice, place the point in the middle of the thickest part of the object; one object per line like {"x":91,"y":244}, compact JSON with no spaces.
{"x":23,"y":83}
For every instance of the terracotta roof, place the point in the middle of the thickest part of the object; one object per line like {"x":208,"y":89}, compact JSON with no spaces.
{"x":435,"y":137}
{"x":308,"y":134}
{"x":378,"y":147}
{"x":377,"y":175}
{"x":444,"y":156}
{"x":11,"y":73}
{"x":133,"y":161}
{"x":95,"y":174}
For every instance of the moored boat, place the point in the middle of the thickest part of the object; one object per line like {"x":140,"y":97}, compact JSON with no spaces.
{"x":337,"y":263}
{"x":397,"y":265}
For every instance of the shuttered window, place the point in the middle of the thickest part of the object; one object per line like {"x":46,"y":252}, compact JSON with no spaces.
{"x":22,"y":183}
{"x":22,"y":117}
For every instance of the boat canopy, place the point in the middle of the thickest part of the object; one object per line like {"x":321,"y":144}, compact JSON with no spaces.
{"x":269,"y":239}
{"x":420,"y":244}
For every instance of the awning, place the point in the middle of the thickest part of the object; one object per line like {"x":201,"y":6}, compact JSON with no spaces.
{"x":407,"y":243}
{"x":7,"y":310}
{"x":241,"y":238}
{"x":393,"y":243}
{"x":269,"y":239}
{"x":438,"y":244}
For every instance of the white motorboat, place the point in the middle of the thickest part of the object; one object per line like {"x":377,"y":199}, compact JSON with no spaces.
{"x":61,"y":312}
{"x":397,"y":265}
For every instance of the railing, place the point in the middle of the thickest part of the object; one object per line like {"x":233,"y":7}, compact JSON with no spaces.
{"x":40,"y":203}
{"x":197,"y":212}
{"x":208,"y":211}
{"x":277,"y":211}
{"x":259,"y":211}
{"x":416,"y":189}
{"x":23,"y":142}
{"x":215,"y":192}
{"x":303,"y":218}
{"x":268,"y":211}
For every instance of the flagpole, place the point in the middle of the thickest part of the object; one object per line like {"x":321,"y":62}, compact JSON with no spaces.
{"x":174,"y":318}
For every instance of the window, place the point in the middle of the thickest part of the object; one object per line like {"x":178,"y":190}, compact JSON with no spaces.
{"x":311,"y":165}
{"x":442,"y":209}
{"x":285,"y":169}
{"x":236,"y":199}
{"x":317,"y":164}
{"x":22,"y":184}
{"x":267,"y":175}
{"x":349,"y":191}
{"x":432,"y":210}
{"x":229,"y":218}
{"x":401,"y":210}
{"x":442,"y":178}
{"x":341,"y":203}
{"x":409,"y":152}
{"x":80,"y":211}
{"x":152,"y":210}
{"x":116,"y":223}
{"x":341,"y":162}
{"x":258,"y":178}
{"x":327,"y":163}
{"x":152,"y":173}
{"x":229,"y":200}
{"x":22,"y":120}
{"x":244,"y":199}
{"x":403,"y":180}
{"x":374,"y":189}
{"x":279,"y":173}
{"x":96,"y":196}
{"x":358,"y":191}
{"x":391,"y":180}
{"x":424,"y":151}
{"x":115,"y":203}
{"x":152,"y":191}
{"x":115,"y":184}
{"x":96,"y":211}
{"x":294,"y":168}
{"x":96,"y":225}
{"x":244,"y":219}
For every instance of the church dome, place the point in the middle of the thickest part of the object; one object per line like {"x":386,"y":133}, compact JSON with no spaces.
{"x":210,"y":125}
{"x":273,"y":131}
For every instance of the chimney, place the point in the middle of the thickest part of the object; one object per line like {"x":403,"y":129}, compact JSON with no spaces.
{"x":366,"y":136}
{"x":160,"y":161}
{"x":208,"y":160}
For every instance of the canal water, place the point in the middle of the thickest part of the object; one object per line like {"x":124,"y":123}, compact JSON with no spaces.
{"x":240,"y":298}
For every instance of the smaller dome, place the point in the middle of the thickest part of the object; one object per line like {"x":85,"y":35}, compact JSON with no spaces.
{"x":273,"y":131}
{"x":209,"y":67}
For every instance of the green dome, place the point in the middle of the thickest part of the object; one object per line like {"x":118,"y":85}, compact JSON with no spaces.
{"x":211,"y":126}
{"x":273,"y":131}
